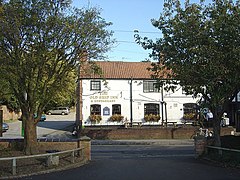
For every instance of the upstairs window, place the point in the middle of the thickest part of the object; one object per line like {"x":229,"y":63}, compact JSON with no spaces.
{"x":95,"y":109}
{"x":116,"y":109}
{"x":95,"y":85}
{"x":149,"y":86}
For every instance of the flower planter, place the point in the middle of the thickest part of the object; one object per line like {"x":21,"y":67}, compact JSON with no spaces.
{"x":116,"y":118}
{"x":95,"y":118}
{"x":152,"y":118}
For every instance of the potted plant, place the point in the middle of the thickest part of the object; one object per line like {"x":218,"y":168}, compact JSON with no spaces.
{"x":151,"y":117}
{"x":116,"y":117}
{"x":95,"y":118}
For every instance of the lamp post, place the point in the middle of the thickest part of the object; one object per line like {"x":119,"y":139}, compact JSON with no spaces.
{"x":78,"y":121}
{"x":79,"y":117}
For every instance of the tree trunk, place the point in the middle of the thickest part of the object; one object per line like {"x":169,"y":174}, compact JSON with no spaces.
{"x":217,"y":130}
{"x":30,"y":137}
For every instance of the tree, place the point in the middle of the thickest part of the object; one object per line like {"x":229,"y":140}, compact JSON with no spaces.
{"x":41,"y":42}
{"x":6,"y":96}
{"x":66,"y":97}
{"x":200,"y":47}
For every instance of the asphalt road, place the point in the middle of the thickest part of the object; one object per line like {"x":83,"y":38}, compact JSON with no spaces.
{"x":53,"y":125}
{"x":129,"y":162}
{"x":143,"y":162}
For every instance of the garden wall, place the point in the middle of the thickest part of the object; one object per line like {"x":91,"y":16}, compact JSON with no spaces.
{"x":145,"y":133}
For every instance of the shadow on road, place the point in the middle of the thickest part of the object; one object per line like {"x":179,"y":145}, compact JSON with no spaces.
{"x":56,"y":125}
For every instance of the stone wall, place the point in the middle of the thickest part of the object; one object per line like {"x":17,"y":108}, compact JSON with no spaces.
{"x":51,"y":145}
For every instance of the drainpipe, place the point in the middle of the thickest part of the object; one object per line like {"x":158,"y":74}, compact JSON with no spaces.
{"x":162,"y":103}
{"x":165,"y":112}
{"x":131,"y":101}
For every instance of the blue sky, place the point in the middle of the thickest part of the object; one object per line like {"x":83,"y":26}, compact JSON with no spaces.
{"x":127,"y":16}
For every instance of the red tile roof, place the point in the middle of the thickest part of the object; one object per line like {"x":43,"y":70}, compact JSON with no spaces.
{"x":122,"y":70}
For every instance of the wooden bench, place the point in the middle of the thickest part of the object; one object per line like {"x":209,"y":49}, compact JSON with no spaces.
{"x":172,"y":123}
{"x":139,"y":124}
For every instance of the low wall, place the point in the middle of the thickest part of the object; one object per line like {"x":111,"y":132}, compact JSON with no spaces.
{"x":146,"y":133}
{"x":72,"y":154}
{"x":51,"y":144}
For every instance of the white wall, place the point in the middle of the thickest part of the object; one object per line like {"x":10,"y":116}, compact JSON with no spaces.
{"x":175,"y":103}
{"x":118,"y":92}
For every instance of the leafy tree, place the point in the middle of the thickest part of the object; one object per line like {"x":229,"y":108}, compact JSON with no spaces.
{"x":200,"y":49}
{"x":41,"y":42}
{"x":66,"y":97}
{"x":6,"y":96}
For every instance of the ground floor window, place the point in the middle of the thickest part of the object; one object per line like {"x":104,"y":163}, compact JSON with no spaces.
{"x":116,"y":109}
{"x":151,"y":108}
{"x":95,"y":109}
{"x":151,"y":112}
{"x":189,"y":111}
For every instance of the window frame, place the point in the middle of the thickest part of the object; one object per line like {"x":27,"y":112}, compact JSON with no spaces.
{"x":148,"y":86}
{"x":114,"y":107}
{"x":154,"y":111}
{"x":189,"y":108}
{"x":95,"y":107}
{"x":95,"y":85}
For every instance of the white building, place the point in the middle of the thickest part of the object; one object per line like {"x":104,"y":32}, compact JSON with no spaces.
{"x":126,"y":88}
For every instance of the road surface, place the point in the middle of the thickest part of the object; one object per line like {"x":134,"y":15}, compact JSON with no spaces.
{"x":143,"y":162}
{"x":54,"y":124}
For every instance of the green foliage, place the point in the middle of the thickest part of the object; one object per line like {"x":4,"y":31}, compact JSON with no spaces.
{"x":200,"y":47}
{"x":6,"y":96}
{"x":41,"y":43}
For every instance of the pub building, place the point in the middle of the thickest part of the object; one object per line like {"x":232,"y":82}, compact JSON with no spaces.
{"x":125,"y":93}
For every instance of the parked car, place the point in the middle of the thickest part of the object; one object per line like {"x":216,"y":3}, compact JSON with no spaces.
{"x":43,"y":117}
{"x":59,"y":110}
{"x":5,"y":127}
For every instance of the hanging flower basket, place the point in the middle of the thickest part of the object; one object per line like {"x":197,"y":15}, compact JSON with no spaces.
{"x":151,"y":117}
{"x":116,"y":117}
{"x":95,"y":118}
